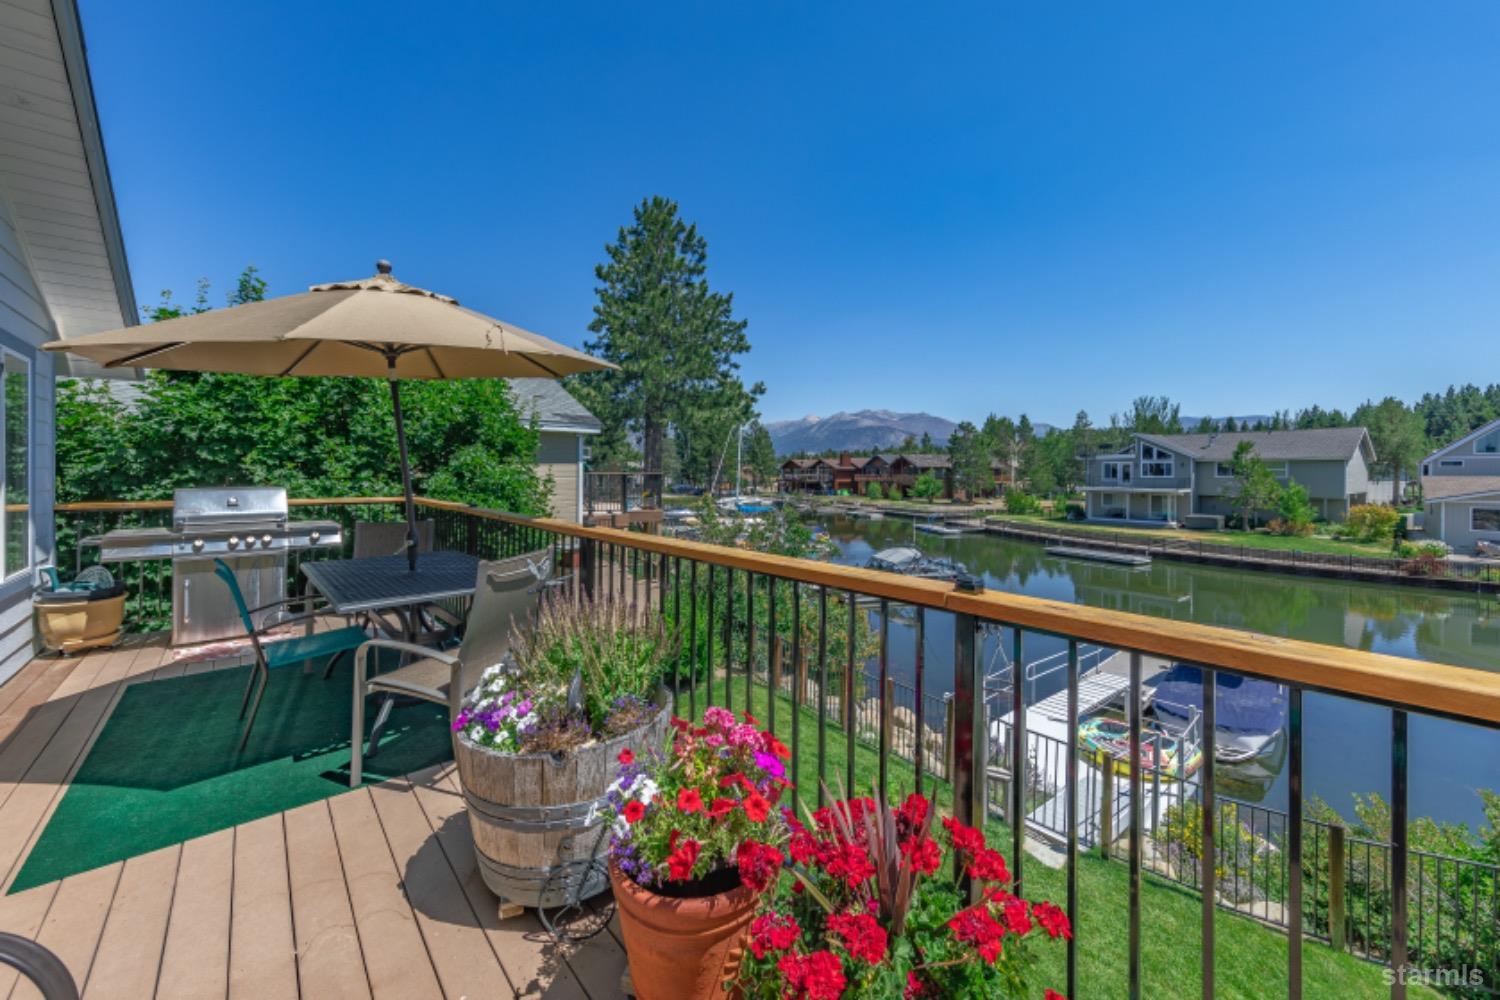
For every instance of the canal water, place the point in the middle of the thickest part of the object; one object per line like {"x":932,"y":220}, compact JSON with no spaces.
{"x":1346,"y":748}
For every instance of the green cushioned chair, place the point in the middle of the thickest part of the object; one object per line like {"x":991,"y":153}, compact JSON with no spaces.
{"x":299,"y":649}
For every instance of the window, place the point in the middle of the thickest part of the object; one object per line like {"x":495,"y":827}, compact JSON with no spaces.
{"x":1156,"y":463}
{"x":1115,"y":472}
{"x":1489,"y":444}
{"x":15,"y":399}
{"x":1277,"y":469}
{"x":1484,"y":519}
{"x":1451,"y":463}
{"x":1106,"y":499}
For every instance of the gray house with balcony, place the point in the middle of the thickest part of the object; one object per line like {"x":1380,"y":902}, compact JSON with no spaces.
{"x":1461,"y":490}
{"x":1164,"y":478}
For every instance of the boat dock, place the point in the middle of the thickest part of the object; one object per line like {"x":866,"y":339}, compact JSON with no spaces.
{"x":1099,"y":555}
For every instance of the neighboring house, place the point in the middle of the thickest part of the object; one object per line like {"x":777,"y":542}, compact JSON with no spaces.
{"x":1165,"y":477}
{"x":62,"y":274}
{"x":1461,"y":490}
{"x":564,"y":425}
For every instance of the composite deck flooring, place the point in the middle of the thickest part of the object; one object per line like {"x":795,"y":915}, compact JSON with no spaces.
{"x":371,"y":893}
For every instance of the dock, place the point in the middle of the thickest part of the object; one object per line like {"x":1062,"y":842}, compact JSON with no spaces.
{"x":1099,"y":555}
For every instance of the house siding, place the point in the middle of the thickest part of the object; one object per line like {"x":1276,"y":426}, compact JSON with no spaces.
{"x":557,"y":457}
{"x":26,"y":323}
{"x":1451,"y":521}
{"x":1474,"y":463}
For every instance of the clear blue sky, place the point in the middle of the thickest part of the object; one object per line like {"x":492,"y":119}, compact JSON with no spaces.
{"x":937,"y":207}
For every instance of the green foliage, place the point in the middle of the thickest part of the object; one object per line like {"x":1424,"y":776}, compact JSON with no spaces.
{"x":1370,"y":522}
{"x":1253,"y":488}
{"x":927,"y":487}
{"x":760,"y":453}
{"x":675,"y":340}
{"x":873,"y":491}
{"x":616,"y":652}
{"x":315,"y":436}
{"x":970,"y":454}
{"x":1294,"y":511}
{"x":1018,"y":501}
{"x":1397,"y":433}
{"x":1154,"y":415}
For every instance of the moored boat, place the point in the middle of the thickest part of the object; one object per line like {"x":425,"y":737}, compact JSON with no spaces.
{"x":1159,"y":750}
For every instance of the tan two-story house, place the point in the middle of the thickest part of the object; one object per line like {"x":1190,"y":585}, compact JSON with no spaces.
{"x":1461,"y":490}
{"x":1164,"y":478}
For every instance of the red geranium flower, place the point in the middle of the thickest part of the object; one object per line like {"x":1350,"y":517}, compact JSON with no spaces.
{"x":721,"y":807}
{"x":862,"y":934}
{"x":680,"y":862}
{"x":1017,"y":916}
{"x":988,"y":864}
{"x":773,"y":932}
{"x":924,"y":854}
{"x":1053,"y":920}
{"x":756,"y":807}
{"x":626,"y":757}
{"x":689,"y":801}
{"x":758,"y":864}
{"x":852,"y":863}
{"x":634,"y":810}
{"x":975,"y":926}
{"x":777,"y":747}
{"x":965,"y":838}
{"x":819,"y":976}
{"x":1053,"y":995}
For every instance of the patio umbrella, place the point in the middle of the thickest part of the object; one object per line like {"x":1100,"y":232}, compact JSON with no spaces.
{"x":374,"y":327}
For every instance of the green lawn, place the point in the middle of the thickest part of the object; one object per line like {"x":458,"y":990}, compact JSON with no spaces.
{"x":1250,"y":539}
{"x":1250,"y":958}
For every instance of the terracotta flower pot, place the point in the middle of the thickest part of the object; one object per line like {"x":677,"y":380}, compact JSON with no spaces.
{"x":682,"y":949}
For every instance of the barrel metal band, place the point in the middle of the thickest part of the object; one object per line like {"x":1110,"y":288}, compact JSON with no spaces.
{"x":570,"y":815}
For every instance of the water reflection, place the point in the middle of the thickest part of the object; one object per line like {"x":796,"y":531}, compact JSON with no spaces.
{"x":1346,"y":744}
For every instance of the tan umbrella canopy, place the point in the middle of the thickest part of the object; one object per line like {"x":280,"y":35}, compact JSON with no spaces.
{"x":376,"y":327}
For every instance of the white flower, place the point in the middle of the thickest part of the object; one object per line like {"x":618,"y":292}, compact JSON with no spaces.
{"x":476,"y":733}
{"x":647,"y":791}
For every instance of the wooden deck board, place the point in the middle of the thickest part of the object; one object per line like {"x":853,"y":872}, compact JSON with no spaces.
{"x":370,"y":893}
{"x":329,"y":960}
{"x":195,"y":955}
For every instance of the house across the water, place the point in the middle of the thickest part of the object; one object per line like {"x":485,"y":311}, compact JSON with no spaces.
{"x":1164,"y":478}
{"x":1461,"y":490}
{"x":855,"y":474}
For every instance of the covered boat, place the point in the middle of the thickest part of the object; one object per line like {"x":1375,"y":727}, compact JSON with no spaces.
{"x":909,"y":561}
{"x":1160,"y":750}
{"x":1249,"y":714}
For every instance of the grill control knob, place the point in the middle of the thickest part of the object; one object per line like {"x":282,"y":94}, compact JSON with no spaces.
{"x":265,"y":539}
{"x":234,"y":541}
{"x":314,"y":536}
{"x":197,"y":545}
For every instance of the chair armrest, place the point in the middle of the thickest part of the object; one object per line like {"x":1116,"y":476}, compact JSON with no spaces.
{"x":304,"y":599}
{"x":426,"y":652}
{"x":290,"y":619}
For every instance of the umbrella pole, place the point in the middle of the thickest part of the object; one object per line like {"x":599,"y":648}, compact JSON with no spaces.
{"x":411,"y":507}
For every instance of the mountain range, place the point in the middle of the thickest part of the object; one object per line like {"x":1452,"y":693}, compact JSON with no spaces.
{"x":864,"y":430}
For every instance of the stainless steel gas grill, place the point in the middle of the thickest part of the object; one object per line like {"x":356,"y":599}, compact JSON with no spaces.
{"x":247,"y":527}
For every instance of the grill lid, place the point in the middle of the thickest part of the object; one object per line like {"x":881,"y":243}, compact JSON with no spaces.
{"x":222,"y":506}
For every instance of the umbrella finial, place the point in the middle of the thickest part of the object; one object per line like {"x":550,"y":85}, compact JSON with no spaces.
{"x":383,"y":266}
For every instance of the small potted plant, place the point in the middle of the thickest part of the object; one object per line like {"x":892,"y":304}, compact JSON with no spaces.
{"x":870,"y":906}
{"x":696,"y":839}
{"x":535,"y":741}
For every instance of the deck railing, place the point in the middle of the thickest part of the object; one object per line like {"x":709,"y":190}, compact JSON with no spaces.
{"x":789,"y":638}
{"x":621,"y":492}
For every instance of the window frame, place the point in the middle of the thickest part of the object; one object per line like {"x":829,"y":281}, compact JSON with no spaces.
{"x":1483,"y":438}
{"x":1473,"y":514}
{"x":28,"y":543}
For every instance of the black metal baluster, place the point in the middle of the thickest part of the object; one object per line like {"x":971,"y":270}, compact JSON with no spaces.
{"x":796,"y":681}
{"x":848,"y":699}
{"x":1399,"y":849}
{"x":729,"y":640}
{"x":1072,"y":815}
{"x":1137,"y":788}
{"x":749,"y":640}
{"x":921,"y":697}
{"x":968,"y":730}
{"x":1294,"y":840}
{"x":708,"y":696}
{"x":1017,"y":756}
{"x":823,"y":694}
{"x":1210,"y":822}
{"x":773,"y":655}
{"x":693,"y":641}
{"x":883,"y":722}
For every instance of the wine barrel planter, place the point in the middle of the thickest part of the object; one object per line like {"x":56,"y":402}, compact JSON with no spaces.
{"x":538,"y":820}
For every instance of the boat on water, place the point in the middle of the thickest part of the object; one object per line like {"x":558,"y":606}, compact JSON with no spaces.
{"x":909,"y":561}
{"x":1160,"y":750}
{"x":1249,"y":713}
{"x":938,"y":529}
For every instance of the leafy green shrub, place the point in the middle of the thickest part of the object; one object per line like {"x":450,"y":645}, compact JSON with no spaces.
{"x":873,"y":491}
{"x":927,"y":486}
{"x":1371,"y":522}
{"x":1021,"y":502}
{"x":1295,"y":512}
{"x":894,"y":493}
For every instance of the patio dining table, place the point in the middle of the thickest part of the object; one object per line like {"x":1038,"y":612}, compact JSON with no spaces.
{"x":387,"y":583}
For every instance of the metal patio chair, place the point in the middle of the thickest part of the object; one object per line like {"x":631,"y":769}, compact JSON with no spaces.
{"x":294,"y":649}
{"x":506,"y":591}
